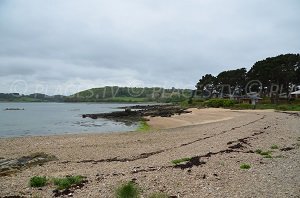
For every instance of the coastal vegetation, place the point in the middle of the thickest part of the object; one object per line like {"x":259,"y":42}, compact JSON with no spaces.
{"x":128,"y":190}
{"x":143,"y":126}
{"x":274,"y":146}
{"x":67,"y":182}
{"x":38,"y":181}
{"x":130,"y":94}
{"x":245,"y":166}
{"x":265,"y":154}
{"x":60,"y":183}
{"x":178,"y":161}
{"x":270,"y":77}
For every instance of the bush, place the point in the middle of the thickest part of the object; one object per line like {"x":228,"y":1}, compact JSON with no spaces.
{"x":67,"y":182}
{"x":128,"y":190}
{"x":37,"y":181}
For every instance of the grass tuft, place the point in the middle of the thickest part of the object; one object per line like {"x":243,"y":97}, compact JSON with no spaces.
{"x":245,"y":166}
{"x":274,"y":146}
{"x":38,"y":181}
{"x":128,"y":190}
{"x":143,"y":126}
{"x":158,"y":195}
{"x":268,"y":156}
{"x":178,"y":161}
{"x":67,"y":182}
{"x":258,"y":151}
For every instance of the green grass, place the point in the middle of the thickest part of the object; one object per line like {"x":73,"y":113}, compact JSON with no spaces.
{"x":67,"y":182}
{"x":258,"y":151}
{"x":128,"y":190}
{"x":38,"y":181}
{"x":143,"y":126}
{"x":245,"y":166}
{"x":274,"y":146}
{"x":158,"y":195}
{"x":265,"y":154}
{"x":268,"y":156}
{"x":178,"y":161}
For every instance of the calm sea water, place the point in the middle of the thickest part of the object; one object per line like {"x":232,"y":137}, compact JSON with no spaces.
{"x":57,"y":118}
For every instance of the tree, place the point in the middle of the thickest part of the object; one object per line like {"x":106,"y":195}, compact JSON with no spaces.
{"x":206,"y":85}
{"x":278,"y":72}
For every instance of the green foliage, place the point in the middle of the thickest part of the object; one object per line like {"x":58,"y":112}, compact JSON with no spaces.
{"x":195,"y":102}
{"x":38,"y":181}
{"x":143,"y":126}
{"x":282,"y":70}
{"x":219,"y":103}
{"x":158,"y":195}
{"x":245,"y":166}
{"x":67,"y":182}
{"x":242,"y":106}
{"x":274,"y":146}
{"x":130,"y":94}
{"x":128,"y":190}
{"x":265,"y":154}
{"x":178,"y":161}
{"x":268,"y":156}
{"x":258,"y":151}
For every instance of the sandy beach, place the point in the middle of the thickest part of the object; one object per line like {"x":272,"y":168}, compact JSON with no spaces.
{"x":220,"y":139}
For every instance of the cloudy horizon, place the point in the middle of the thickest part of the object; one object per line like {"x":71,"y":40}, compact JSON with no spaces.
{"x":61,"y":47}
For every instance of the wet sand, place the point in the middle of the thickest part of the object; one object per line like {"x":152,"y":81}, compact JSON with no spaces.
{"x":220,"y":139}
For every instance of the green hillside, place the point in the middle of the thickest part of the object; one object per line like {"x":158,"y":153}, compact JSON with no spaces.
{"x":129,"y":94}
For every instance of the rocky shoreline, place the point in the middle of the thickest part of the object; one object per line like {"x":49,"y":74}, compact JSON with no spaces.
{"x":139,"y":112}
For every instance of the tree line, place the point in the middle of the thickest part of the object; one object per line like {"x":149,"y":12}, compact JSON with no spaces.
{"x":269,"y":77}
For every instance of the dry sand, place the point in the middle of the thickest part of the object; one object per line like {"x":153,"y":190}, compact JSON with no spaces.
{"x":221,"y":139}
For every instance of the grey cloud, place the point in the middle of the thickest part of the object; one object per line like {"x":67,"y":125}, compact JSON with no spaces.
{"x":139,"y":43}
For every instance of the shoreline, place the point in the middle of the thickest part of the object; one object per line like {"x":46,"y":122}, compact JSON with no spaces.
{"x":106,"y":160}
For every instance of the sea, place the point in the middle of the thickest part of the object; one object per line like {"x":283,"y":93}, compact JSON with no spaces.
{"x":40,"y":119}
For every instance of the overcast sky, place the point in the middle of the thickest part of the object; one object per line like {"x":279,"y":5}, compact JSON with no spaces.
{"x":62,"y":46}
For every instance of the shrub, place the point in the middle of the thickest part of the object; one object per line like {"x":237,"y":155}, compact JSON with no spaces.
{"x":245,"y":166}
{"x":128,"y":190}
{"x":67,"y":182}
{"x":37,"y":181}
{"x":274,"y":146}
